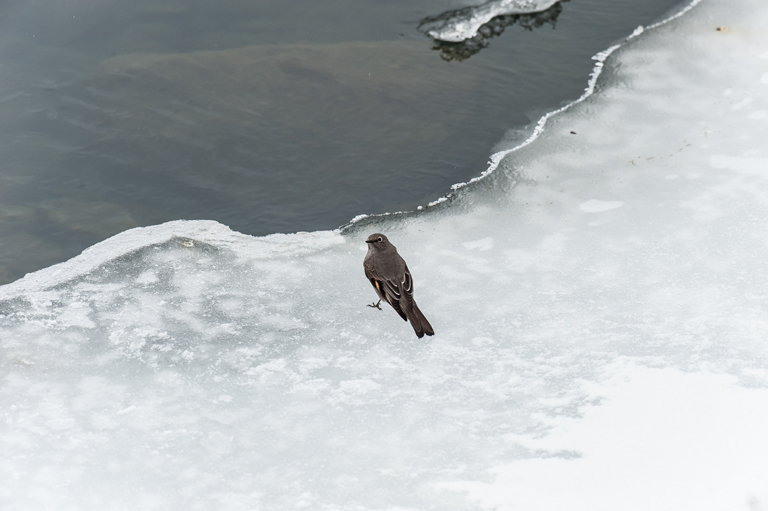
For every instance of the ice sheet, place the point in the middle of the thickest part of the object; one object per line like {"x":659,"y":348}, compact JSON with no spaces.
{"x":599,"y":300}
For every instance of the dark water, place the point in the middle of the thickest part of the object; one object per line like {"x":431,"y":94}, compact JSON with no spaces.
{"x":264,"y":115}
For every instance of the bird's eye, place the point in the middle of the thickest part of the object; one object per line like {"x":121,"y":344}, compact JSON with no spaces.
{"x":379,"y":239}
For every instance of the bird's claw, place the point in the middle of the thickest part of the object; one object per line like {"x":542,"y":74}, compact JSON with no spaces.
{"x":375,"y":305}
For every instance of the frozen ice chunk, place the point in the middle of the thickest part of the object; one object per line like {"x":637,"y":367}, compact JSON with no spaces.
{"x":463,"y":24}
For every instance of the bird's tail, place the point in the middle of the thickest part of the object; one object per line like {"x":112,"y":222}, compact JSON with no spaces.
{"x":419,"y":323}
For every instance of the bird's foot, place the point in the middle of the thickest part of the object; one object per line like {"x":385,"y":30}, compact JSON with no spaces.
{"x":375,"y":305}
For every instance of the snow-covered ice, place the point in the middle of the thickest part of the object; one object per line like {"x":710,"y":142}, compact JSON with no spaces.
{"x":600,"y":303}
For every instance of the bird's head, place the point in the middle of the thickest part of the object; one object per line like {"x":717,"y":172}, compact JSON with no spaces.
{"x":378,"y":241}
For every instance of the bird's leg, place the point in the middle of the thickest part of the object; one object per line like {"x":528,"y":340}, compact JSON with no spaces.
{"x":375,"y":305}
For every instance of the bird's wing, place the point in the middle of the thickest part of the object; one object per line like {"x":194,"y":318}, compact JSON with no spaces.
{"x":388,"y":290}
{"x":407,"y":284}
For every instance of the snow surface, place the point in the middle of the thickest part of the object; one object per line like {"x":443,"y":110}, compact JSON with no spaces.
{"x":600,"y":302}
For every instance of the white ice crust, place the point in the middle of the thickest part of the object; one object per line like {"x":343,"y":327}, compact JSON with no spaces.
{"x":465,"y":24}
{"x":601,"y":319}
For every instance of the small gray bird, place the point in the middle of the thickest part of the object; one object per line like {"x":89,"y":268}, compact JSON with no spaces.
{"x":393,"y":283}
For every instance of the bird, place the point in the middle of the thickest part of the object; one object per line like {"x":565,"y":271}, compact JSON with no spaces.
{"x":393,"y":282}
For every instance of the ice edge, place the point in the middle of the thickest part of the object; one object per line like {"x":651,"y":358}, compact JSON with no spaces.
{"x":193,"y":232}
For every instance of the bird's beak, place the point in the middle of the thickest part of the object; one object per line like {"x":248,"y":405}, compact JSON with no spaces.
{"x":370,"y":241}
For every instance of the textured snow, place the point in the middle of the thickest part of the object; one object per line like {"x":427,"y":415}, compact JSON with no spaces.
{"x":598,"y":206}
{"x":599,"y":301}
